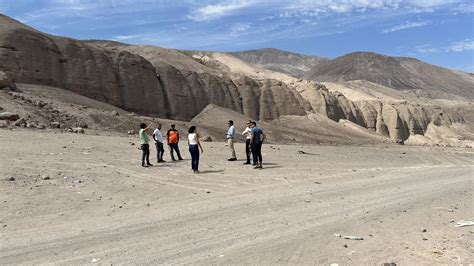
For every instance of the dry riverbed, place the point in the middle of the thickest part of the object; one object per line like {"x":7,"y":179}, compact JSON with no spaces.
{"x":83,"y":199}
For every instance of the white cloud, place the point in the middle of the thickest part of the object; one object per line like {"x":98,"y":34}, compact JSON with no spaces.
{"x":431,"y":3}
{"x":466,"y":45}
{"x":464,"y":8}
{"x":407,"y":25}
{"x":460,"y":46}
{"x":215,"y":11}
{"x":127,"y":37}
{"x":426,"y":49}
{"x":345,"y":6}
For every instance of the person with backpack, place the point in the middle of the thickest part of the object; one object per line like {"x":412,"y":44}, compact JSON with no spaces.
{"x":194,"y":146}
{"x":173,"y":140}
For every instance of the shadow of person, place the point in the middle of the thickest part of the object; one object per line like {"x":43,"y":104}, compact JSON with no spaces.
{"x":270,"y":167}
{"x":269,"y":163}
{"x":211,"y":171}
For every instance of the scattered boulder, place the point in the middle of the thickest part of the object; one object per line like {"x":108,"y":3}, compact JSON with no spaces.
{"x":206,"y":139}
{"x":78,"y":130}
{"x":6,"y":81}
{"x":69,"y":130}
{"x":3,"y":124}
{"x":115,"y":113}
{"x":40,"y":104}
{"x":1,"y":108}
{"x":10,"y":178}
{"x":9,"y":116}
{"x":40,"y":126}
{"x":55,"y":125}
{"x":131,"y":132}
{"x":400,"y":142}
{"x":20,"y":122}
{"x":83,"y":124}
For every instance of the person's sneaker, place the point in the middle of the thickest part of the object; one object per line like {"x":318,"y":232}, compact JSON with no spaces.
{"x":144,"y":165}
{"x":246,"y":163}
{"x":180,"y":159}
{"x":232,"y":159}
{"x":149,"y":164}
{"x":161,"y":161}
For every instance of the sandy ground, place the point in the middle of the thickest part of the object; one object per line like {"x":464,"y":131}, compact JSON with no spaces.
{"x":99,"y":206}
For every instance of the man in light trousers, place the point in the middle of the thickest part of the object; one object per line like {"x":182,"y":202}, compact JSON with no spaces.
{"x":231,"y":139}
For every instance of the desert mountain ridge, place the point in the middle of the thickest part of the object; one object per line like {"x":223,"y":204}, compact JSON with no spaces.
{"x":181,"y":85}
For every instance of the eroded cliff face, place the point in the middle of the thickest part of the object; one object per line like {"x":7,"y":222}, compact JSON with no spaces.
{"x":116,"y":77}
{"x":191,"y":82}
{"x":173,"y":84}
{"x":397,"y":120}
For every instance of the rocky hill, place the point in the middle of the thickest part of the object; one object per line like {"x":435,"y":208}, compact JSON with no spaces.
{"x":119,"y":78}
{"x":293,"y":64}
{"x":400,"y":73}
{"x":179,"y":85}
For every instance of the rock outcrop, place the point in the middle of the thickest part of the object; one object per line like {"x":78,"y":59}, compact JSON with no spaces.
{"x":397,"y":120}
{"x":119,"y":78}
{"x":191,"y":81}
{"x":6,"y":81}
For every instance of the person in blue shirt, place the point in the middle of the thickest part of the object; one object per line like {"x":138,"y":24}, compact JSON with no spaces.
{"x":231,"y":140}
{"x":258,"y":137}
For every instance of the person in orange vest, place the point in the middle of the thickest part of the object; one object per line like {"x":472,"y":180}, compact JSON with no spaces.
{"x":173,"y":140}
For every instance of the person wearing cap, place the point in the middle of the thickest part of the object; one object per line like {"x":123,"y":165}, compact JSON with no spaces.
{"x":173,"y":140}
{"x":248,"y":137}
{"x":231,"y":139}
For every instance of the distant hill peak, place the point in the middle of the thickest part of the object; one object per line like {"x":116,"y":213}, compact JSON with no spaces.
{"x":286,"y":62}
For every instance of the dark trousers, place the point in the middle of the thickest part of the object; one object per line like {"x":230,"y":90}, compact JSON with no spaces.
{"x":159,"y":151}
{"x":248,"y":149}
{"x":194,"y":150}
{"x":175,"y":147}
{"x":257,"y":152}
{"x":145,"y":153}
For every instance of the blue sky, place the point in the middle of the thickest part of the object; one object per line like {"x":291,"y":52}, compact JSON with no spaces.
{"x":436,"y":31}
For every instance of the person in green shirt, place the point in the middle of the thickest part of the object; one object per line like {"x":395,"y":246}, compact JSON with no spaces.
{"x":144,"y":139}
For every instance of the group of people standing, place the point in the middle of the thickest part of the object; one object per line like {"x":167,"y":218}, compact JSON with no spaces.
{"x":253,"y":146}
{"x":254,"y":138}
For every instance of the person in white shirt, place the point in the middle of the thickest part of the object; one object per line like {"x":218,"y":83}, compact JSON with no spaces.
{"x":248,"y":137}
{"x":194,"y":146}
{"x":231,"y":140}
{"x":158,"y":137}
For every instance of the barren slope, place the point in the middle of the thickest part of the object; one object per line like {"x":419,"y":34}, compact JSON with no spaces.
{"x":400,"y":73}
{"x":296,"y":65}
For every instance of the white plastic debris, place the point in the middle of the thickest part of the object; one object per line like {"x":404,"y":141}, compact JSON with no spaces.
{"x":354,"y":237}
{"x":464,"y":223}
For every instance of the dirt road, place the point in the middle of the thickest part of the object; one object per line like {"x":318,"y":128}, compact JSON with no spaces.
{"x":80,"y":199}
